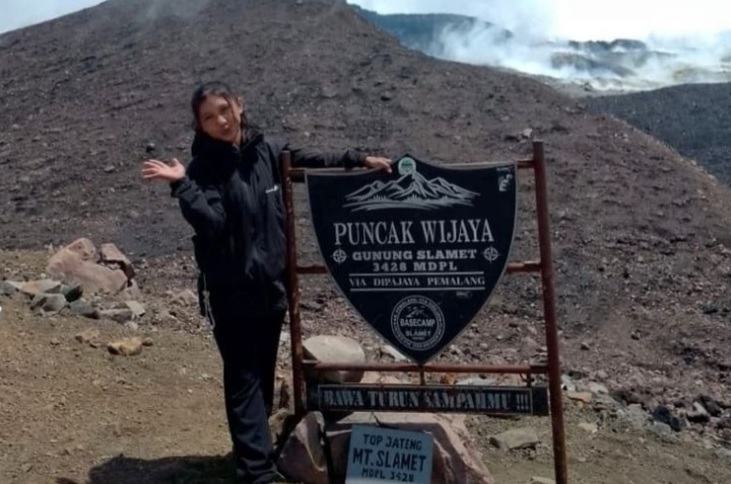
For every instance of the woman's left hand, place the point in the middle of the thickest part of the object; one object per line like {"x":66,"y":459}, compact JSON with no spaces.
{"x":378,"y":162}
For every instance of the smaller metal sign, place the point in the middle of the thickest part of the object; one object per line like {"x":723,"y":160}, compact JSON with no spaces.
{"x":497,"y":400}
{"x":378,"y":455}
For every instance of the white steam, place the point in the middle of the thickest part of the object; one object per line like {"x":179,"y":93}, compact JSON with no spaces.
{"x":683,"y":41}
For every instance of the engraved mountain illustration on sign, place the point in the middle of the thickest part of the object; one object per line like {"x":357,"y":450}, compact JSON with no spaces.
{"x":409,"y":191}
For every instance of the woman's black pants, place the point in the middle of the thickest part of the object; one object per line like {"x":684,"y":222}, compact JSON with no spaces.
{"x":248,"y":348}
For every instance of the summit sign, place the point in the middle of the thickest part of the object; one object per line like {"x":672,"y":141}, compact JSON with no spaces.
{"x":418,"y":252}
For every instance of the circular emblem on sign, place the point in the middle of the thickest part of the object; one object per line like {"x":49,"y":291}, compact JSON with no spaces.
{"x":418,"y":323}
{"x":340,"y":256}
{"x":406,"y":166}
{"x":491,"y":254}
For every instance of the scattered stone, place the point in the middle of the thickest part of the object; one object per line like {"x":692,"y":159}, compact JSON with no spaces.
{"x":138,"y":310}
{"x":476,"y":381}
{"x":84,"y":308}
{"x":126,"y":346}
{"x":8,"y":288}
{"x":43,"y":286}
{"x":150,"y":148}
{"x":335,"y":349}
{"x":186,"y":297}
{"x":132,"y":325}
{"x":598,"y":388}
{"x":602,"y":375}
{"x":72,"y":292}
{"x":589,"y":427}
{"x":567,"y":383}
{"x":713,"y":408}
{"x":541,"y":480}
{"x":55,"y":341}
{"x":393,"y":353}
{"x":585,"y":346}
{"x":522,"y":438}
{"x":118,"y":315}
{"x":584,"y":397}
{"x":49,"y":303}
{"x":698,"y":414}
{"x":89,"y":336}
{"x":148,"y":342}
{"x":662,"y":414}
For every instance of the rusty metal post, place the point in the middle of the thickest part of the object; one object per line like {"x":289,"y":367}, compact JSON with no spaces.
{"x":549,"y":311}
{"x":295,"y":329}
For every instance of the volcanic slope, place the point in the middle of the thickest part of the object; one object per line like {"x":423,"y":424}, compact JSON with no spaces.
{"x":695,"y":119}
{"x":639,"y":233}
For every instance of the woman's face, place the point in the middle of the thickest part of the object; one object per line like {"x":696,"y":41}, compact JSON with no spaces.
{"x":220,"y":118}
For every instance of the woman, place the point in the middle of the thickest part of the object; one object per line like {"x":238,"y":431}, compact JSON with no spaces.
{"x":230,"y":194}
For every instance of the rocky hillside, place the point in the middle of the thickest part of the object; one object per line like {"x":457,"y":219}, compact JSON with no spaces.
{"x":640,"y":234}
{"x":695,"y":119}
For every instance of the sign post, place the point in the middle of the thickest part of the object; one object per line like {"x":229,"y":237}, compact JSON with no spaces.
{"x":417,"y":255}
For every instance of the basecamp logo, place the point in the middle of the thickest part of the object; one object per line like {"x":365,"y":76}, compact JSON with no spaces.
{"x":418,"y":323}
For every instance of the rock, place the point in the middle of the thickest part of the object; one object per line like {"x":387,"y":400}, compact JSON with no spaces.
{"x":602,"y":375}
{"x":89,"y":336}
{"x":584,"y":397}
{"x":585,"y":346}
{"x":455,"y":457}
{"x":84,"y":308}
{"x":110,"y":254}
{"x":589,"y":427}
{"x":662,"y":414}
{"x":598,"y":388}
{"x":711,"y":406}
{"x":118,"y":315}
{"x":77,"y":263}
{"x":476,"y":381}
{"x":50,"y":303}
{"x":521,"y":438}
{"x":148,"y":342}
{"x":541,"y":480}
{"x":150,"y":148}
{"x":72,"y":292}
{"x":8,"y":288}
{"x":335,"y":349}
{"x":43,"y":286}
{"x":302,"y":457}
{"x":698,"y":414}
{"x":138,"y":310}
{"x":393,"y":353}
{"x":126,"y":346}
{"x":567,"y":383}
{"x":186,"y":297}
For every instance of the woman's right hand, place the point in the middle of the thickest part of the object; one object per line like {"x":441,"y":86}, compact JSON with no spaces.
{"x":160,"y":170}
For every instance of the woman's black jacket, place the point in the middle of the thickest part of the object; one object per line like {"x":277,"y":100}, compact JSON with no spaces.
{"x":232,"y":197}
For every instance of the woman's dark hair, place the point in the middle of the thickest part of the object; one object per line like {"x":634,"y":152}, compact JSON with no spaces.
{"x":213,"y":88}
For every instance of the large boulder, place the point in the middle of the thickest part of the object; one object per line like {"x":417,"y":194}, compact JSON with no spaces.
{"x":455,"y":458}
{"x":335,"y":349}
{"x":106,"y":272}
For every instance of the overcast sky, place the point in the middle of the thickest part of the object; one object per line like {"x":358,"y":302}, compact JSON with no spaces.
{"x":576,"y":19}
{"x":19,"y":13}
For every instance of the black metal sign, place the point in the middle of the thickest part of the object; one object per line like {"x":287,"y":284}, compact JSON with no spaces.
{"x":497,"y":400}
{"x":417,"y":253}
